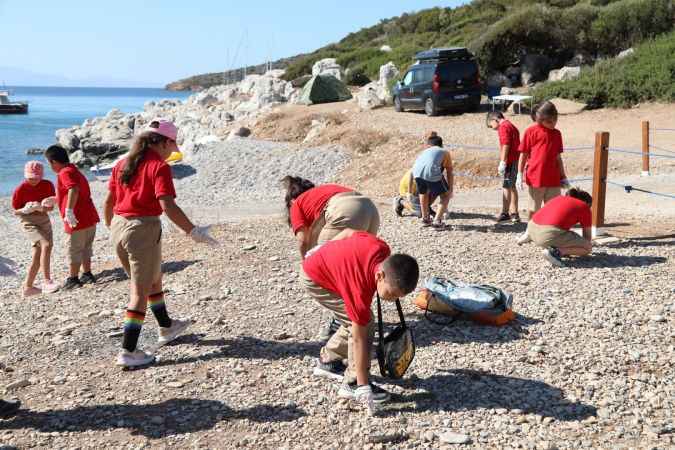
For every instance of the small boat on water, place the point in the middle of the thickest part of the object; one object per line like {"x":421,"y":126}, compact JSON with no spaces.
{"x":9,"y":107}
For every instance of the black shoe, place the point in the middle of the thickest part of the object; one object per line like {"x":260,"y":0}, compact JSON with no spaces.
{"x":327,"y":329}
{"x":398,"y":206}
{"x":9,"y":407}
{"x":87,"y":278}
{"x":503,"y":217}
{"x":349,"y":390}
{"x":553,"y":256}
{"x":71,"y":283}
{"x":334,"y":369}
{"x":515,"y":218}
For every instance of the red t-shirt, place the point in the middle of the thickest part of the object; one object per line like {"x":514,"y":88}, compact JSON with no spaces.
{"x":544,"y":145}
{"x":152,"y":180}
{"x":564,"y":212}
{"x":26,"y":193}
{"x":509,"y":135}
{"x":310,"y":204}
{"x":347,"y":268}
{"x":85,"y":211}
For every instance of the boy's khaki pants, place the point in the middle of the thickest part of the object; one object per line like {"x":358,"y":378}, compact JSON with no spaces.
{"x":340,"y":347}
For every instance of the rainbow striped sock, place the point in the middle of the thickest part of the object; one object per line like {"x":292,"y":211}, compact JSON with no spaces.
{"x":133,"y":322}
{"x":158,"y":307}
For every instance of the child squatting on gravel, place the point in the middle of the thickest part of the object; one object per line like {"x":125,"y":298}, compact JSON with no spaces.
{"x":32,"y":201}
{"x":408,"y":198}
{"x":433,"y":176}
{"x":540,"y":164}
{"x":550,"y":226}
{"x":79,"y":216}
{"x":342,"y":275}
{"x":140,"y":189}
{"x":509,"y":142}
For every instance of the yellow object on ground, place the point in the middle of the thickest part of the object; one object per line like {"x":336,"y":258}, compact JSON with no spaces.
{"x":174,"y":157}
{"x":407,"y":185}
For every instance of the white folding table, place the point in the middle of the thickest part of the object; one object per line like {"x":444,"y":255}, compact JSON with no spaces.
{"x":515,"y":98}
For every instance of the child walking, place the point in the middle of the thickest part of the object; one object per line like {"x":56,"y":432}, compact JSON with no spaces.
{"x":32,"y":201}
{"x":509,"y":142}
{"x":140,"y":190}
{"x":540,"y":164}
{"x":79,"y":216}
{"x":343,"y":275}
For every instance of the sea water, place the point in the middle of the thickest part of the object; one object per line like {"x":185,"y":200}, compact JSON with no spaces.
{"x":51,"y":108}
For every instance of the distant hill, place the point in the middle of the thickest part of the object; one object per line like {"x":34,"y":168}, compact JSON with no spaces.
{"x":499,"y":32}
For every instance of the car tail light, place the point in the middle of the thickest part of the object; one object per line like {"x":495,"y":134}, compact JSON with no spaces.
{"x":436,"y":84}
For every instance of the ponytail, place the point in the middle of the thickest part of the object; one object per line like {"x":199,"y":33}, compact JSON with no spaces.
{"x":140,"y":146}
{"x":294,"y":187}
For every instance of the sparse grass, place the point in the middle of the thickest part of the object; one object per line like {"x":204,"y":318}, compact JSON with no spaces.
{"x":364,"y":141}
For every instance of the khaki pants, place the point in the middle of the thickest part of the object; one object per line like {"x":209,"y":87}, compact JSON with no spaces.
{"x":345,"y":210}
{"x":38,"y":228}
{"x":138,"y":244}
{"x":340,"y":346}
{"x":541,"y":196}
{"x":550,"y":236}
{"x":81,"y":245}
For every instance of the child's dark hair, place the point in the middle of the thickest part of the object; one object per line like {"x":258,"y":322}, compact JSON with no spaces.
{"x":58,"y":154}
{"x":434,"y":139}
{"x":495,"y":115}
{"x":137,"y":152}
{"x":544,"y":112}
{"x":294,"y":187}
{"x":580,"y":195}
{"x":403,"y":271}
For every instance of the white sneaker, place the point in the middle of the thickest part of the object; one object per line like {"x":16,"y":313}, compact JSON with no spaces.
{"x":167,"y":335}
{"x":135,"y":358}
{"x":523,"y":239}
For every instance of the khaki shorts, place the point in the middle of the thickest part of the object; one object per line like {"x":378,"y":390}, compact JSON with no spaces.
{"x":138,"y":244}
{"x":346,"y":210}
{"x":81,"y":245}
{"x":550,"y":236}
{"x":541,"y":196}
{"x":38,"y":228}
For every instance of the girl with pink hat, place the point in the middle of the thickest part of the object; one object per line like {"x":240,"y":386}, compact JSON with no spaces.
{"x":32,"y":201}
{"x":140,"y":191}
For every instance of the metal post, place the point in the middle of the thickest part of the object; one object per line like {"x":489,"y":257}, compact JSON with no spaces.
{"x":600,"y":181}
{"x":645,"y":148}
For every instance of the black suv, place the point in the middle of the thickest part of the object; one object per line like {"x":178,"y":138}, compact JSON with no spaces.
{"x":441,"y":78}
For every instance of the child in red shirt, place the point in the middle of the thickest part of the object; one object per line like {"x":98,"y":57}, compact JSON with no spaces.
{"x":509,"y":142}
{"x":79,"y":215}
{"x":550,"y":226}
{"x":32,"y":201}
{"x":342,"y":275}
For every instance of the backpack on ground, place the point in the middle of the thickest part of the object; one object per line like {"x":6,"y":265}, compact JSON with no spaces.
{"x":481,"y":303}
{"x":396,"y":350}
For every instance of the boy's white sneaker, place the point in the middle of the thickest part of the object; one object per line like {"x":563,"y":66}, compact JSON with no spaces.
{"x":523,"y":239}
{"x":135,"y":358}
{"x":168,"y":334}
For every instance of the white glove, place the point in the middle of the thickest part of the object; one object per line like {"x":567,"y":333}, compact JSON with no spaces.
{"x":30,"y":208}
{"x":70,"y":219}
{"x":49,"y":202}
{"x":564,"y":183}
{"x":519,"y":181}
{"x":501,"y":170}
{"x":364,"y":395}
{"x":202,"y":235}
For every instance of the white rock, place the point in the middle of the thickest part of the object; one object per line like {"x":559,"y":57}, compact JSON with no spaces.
{"x":327,"y":66}
{"x":449,"y":437}
{"x":625,"y":53}
{"x":368,"y":98}
{"x":564,"y":74}
{"x":385,"y":48}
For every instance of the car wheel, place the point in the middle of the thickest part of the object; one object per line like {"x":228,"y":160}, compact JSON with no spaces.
{"x":430,"y":107}
{"x":397,"y":105}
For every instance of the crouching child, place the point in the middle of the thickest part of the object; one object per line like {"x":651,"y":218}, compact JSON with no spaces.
{"x":343,"y":275}
{"x":550,"y":226}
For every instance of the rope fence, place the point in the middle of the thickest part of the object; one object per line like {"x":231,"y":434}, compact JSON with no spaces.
{"x":628,"y":188}
{"x":663,"y":129}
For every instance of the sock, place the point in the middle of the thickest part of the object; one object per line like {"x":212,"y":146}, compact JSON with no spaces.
{"x":133,"y":322}
{"x":158,"y":308}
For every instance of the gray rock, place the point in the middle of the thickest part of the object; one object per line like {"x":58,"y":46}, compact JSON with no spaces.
{"x":564,"y":74}
{"x":625,"y":53}
{"x":18,"y":384}
{"x":67,"y":139}
{"x":448,"y":437}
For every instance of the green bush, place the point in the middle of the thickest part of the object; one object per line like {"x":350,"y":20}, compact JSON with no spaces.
{"x":647,"y":75}
{"x":578,"y":20}
{"x":356,"y":77}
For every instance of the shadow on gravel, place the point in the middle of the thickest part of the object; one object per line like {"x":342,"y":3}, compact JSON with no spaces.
{"x":6,"y":267}
{"x":243,"y":347}
{"x":175,"y":416}
{"x":118,"y":274}
{"x":517,"y":228}
{"x":463,"y":389}
{"x":607,"y":260}
{"x":181,"y":171}
{"x":647,"y":241}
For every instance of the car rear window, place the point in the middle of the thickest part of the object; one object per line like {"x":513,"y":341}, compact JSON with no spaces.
{"x":455,"y":70}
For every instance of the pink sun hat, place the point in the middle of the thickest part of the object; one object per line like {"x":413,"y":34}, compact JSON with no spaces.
{"x":34,"y":169}
{"x":164,"y":127}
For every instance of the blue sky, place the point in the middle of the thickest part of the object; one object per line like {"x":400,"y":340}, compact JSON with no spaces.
{"x":150,"y":43}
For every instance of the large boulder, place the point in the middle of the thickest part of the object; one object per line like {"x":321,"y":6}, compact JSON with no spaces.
{"x":564,"y":74}
{"x":327,"y":66}
{"x":625,"y":53}
{"x":67,"y":139}
{"x":369,"y":98}
{"x":534,"y":68}
{"x":388,"y":72}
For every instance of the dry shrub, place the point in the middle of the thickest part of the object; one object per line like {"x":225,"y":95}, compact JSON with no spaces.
{"x":364,"y":141}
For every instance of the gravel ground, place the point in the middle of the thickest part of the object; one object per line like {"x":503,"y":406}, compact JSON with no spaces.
{"x":589,"y":363}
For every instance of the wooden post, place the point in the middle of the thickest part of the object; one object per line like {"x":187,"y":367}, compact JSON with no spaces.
{"x":600,"y":180}
{"x":645,"y":148}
